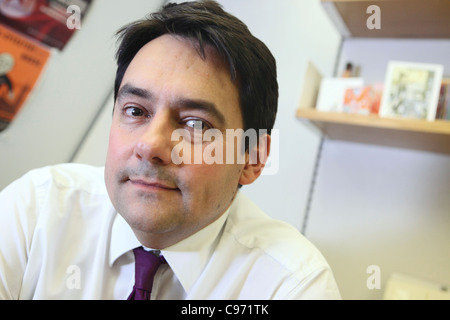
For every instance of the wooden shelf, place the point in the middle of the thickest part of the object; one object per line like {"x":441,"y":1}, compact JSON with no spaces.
{"x":393,"y":132}
{"x":399,"y":18}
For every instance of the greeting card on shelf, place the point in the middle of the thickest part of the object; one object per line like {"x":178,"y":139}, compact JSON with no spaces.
{"x":363,"y":100}
{"x":332,"y":92}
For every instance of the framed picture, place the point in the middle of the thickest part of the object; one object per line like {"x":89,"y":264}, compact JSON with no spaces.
{"x":411,"y":90}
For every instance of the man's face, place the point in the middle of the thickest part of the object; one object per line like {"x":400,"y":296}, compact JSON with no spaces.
{"x":168,"y":86}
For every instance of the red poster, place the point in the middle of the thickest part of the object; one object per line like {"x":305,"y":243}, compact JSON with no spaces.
{"x":43,"y":20}
{"x":21,"y":63}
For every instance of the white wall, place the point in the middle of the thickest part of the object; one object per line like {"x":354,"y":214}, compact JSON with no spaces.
{"x":381,"y":206}
{"x":95,"y":145}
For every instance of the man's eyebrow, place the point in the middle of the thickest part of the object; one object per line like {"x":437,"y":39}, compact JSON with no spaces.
{"x":130,"y":90}
{"x":202,"y":105}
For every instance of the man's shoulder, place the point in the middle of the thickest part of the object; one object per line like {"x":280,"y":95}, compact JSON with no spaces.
{"x":254,"y":229}
{"x":250,"y":224}
{"x":83,"y":177}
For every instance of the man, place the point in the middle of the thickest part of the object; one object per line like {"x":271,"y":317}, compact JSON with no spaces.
{"x":195,"y":69}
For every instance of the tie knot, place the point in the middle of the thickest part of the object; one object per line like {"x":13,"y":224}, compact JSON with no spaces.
{"x":146,"y":265}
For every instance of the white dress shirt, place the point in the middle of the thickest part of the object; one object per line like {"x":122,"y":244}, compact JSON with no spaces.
{"x":61,"y":238}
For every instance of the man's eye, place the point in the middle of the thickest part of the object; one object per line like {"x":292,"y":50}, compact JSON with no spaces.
{"x":134,"y":112}
{"x":197,"y":124}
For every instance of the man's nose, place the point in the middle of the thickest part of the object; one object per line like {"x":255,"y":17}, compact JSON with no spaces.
{"x":155,"y":144}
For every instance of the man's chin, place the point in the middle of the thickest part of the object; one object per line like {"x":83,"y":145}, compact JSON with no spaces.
{"x":153,"y":221}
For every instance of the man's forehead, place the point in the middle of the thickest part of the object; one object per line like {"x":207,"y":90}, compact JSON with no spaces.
{"x":170,"y":46}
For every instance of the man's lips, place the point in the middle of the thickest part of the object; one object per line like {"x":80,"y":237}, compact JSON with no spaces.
{"x":156,"y":185}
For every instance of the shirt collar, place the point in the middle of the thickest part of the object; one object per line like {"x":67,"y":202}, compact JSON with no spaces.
{"x":188,"y":257}
{"x":194,"y":251}
{"x":123,"y":239}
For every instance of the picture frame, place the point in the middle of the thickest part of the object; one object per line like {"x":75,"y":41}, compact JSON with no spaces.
{"x":411,"y":90}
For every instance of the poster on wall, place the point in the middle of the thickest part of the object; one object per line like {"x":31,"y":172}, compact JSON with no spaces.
{"x":21,"y":63}
{"x":47,"y":21}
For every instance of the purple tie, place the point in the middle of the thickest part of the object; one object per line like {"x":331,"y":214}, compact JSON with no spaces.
{"x":146,"y":266}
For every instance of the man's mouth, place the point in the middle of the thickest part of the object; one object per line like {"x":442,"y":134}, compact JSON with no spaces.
{"x":152,"y":184}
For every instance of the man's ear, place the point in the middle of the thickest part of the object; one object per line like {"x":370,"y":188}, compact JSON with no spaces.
{"x":255,"y":160}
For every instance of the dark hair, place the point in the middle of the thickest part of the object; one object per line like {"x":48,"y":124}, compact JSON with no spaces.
{"x":252,"y":66}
